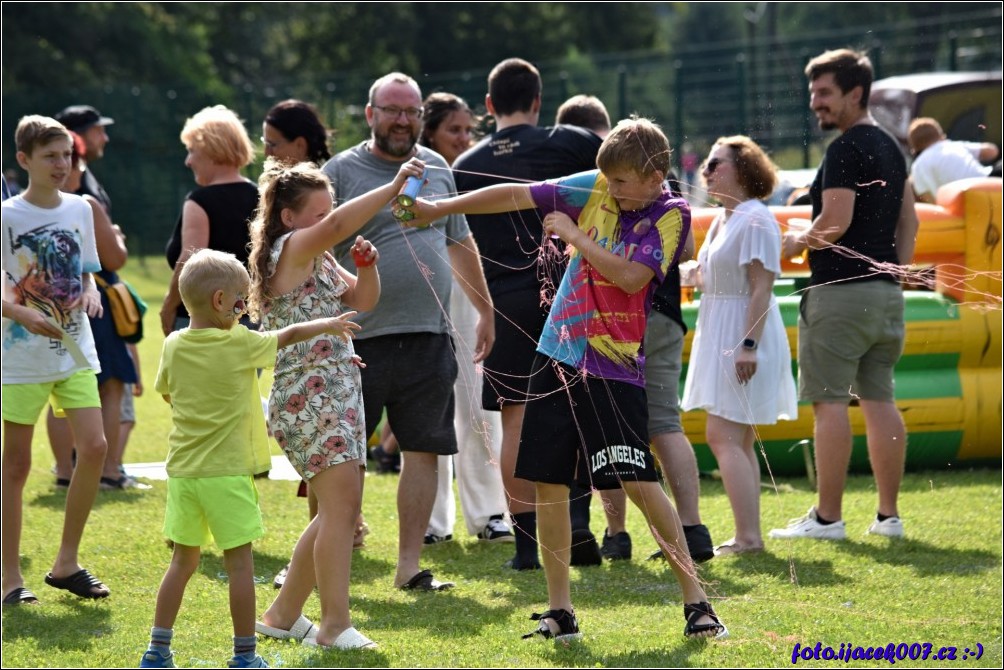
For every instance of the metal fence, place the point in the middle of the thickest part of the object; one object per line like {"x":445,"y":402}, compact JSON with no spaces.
{"x":700,"y":93}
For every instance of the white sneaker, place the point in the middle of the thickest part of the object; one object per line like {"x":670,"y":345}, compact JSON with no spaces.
{"x":496,"y":530}
{"x":891,"y":527}
{"x":809,"y":526}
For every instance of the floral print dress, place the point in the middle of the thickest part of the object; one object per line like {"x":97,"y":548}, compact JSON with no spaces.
{"x":316,"y":403}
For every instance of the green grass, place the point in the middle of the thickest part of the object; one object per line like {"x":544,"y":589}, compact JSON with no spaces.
{"x":941,"y":584}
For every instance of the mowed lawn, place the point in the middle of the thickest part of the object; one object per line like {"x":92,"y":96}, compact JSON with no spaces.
{"x":939,"y":587}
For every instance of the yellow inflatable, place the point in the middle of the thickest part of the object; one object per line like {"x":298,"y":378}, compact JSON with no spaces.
{"x":948,"y":382}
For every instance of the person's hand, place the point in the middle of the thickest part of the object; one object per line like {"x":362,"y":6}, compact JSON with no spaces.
{"x":793,"y":244}
{"x":37,"y":323}
{"x":421,"y":214}
{"x":745,"y":364}
{"x":357,"y":361}
{"x":341,"y":326}
{"x":412,"y":168}
{"x":484,"y":333}
{"x":137,"y":388}
{"x":559,"y":224}
{"x":364,"y":254}
{"x":90,"y":301}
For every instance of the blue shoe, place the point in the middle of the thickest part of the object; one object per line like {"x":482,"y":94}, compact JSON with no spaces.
{"x":154,"y":659}
{"x":243,"y":662}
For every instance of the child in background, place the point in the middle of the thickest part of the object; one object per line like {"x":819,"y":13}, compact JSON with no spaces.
{"x":316,"y":404}
{"x":208,"y":372}
{"x":587,"y":417}
{"x":49,"y":254}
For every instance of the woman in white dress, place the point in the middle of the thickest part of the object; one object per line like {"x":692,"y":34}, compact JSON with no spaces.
{"x":740,"y":362}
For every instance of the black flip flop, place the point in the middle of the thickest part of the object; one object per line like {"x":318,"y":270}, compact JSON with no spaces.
{"x":81,"y":583}
{"x":20,"y":596}
{"x":424,"y":581}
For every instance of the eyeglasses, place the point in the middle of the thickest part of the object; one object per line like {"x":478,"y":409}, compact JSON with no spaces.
{"x":712,"y":165}
{"x":413,"y":113}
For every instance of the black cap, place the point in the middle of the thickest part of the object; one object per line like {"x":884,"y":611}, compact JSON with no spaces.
{"x":79,"y":118}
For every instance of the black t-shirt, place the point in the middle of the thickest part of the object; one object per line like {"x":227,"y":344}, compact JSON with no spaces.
{"x":868,"y":161}
{"x":89,"y":185}
{"x":230,"y":208}
{"x":509,"y":243}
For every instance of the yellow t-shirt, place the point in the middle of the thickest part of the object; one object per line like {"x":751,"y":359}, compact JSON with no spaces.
{"x":211,"y":376}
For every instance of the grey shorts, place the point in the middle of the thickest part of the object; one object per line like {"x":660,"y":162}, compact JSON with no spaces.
{"x":663,"y":363}
{"x":850,"y":337}
{"x":411,"y":376}
{"x":127,"y":411}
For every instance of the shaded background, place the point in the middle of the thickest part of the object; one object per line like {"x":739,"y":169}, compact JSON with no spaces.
{"x":699,"y":70}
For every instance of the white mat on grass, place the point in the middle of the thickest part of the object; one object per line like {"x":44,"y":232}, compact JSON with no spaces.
{"x":281,"y":470}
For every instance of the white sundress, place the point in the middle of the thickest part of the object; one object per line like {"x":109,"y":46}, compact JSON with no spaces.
{"x":750,"y":234}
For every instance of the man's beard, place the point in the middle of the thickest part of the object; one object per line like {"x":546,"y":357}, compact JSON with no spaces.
{"x":395,"y":148}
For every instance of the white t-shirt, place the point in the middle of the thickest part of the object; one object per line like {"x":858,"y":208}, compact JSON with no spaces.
{"x":45,"y":254}
{"x":946,"y":161}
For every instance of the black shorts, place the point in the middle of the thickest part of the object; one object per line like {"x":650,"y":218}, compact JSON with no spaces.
{"x":585,"y":429}
{"x":412,"y":376}
{"x":519,"y":321}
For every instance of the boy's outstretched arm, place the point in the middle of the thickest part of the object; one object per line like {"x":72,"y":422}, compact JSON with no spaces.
{"x":301,"y":332}
{"x":488,"y":200}
{"x":627,"y":275}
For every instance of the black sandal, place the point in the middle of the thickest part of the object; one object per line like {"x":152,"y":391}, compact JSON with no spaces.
{"x":568,"y":627}
{"x":695,"y":630}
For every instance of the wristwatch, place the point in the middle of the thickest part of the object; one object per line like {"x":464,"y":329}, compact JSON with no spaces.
{"x":749,"y":343}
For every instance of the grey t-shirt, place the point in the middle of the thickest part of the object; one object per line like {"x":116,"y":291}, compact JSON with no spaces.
{"x":414,"y":264}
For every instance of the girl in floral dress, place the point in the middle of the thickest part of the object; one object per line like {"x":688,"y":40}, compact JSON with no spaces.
{"x":316,"y":405}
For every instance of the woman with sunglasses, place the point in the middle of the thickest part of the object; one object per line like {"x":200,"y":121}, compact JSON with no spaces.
{"x":740,"y":362}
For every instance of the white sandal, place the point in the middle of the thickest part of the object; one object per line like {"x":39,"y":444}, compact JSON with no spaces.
{"x":303,"y":629}
{"x":350,"y":638}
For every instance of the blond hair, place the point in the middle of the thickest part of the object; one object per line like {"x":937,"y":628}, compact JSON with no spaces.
{"x":206,"y":272}
{"x":635,"y":144}
{"x":35,"y":131}
{"x":220,"y":134}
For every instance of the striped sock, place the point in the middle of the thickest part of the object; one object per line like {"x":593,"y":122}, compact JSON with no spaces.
{"x":245,"y":646}
{"x":160,"y":640}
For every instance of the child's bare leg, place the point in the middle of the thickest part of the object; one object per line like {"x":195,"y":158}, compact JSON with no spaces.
{"x":16,"y":466}
{"x":668,"y":532}
{"x":111,"y":418}
{"x":239,"y":564}
{"x":184,"y":563}
{"x":554,"y":535}
{"x":338,"y":501}
{"x":300,"y":581}
{"x":61,"y":443}
{"x":615,"y":510}
{"x":89,"y":438}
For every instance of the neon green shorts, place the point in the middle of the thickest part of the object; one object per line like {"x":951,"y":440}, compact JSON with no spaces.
{"x":23,"y":403}
{"x":201,"y":509}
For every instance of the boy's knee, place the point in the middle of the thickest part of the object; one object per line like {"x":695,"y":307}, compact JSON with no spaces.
{"x":16,"y":468}
{"x":92,"y":450}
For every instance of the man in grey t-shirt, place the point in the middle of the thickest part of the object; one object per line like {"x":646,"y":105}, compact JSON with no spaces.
{"x":405,"y":342}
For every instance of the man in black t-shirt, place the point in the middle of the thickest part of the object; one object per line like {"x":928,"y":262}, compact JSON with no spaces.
{"x":523,"y":268}
{"x":850,"y":326}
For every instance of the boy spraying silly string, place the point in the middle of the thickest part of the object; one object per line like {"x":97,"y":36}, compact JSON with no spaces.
{"x":587,"y":417}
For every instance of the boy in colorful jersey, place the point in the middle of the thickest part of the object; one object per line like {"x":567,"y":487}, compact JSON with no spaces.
{"x":587,"y":415}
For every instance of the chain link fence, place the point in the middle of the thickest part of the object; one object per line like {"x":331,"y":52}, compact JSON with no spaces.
{"x":755,"y":87}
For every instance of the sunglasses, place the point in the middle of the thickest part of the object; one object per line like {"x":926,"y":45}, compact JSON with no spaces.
{"x":712,"y":165}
